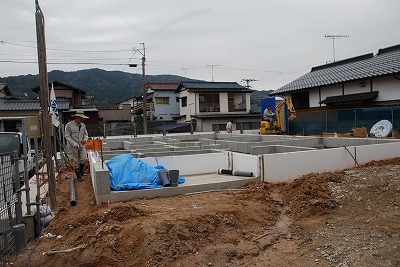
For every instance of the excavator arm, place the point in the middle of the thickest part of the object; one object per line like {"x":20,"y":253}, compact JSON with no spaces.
{"x":280,"y":116}
{"x":280,"y":108}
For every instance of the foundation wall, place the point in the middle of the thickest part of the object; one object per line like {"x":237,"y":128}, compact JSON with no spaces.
{"x":286,"y":166}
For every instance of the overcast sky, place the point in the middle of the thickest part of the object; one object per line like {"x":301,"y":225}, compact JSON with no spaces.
{"x":270,"y":41}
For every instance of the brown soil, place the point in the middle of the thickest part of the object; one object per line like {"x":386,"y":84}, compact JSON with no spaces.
{"x":346,"y":218}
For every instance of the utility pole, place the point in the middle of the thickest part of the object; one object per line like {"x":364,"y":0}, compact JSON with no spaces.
{"x":184,"y":69}
{"x":46,"y":123}
{"x":333,"y":37}
{"x":247,"y":81}
{"x":212,"y":70}
{"x":144,"y":90}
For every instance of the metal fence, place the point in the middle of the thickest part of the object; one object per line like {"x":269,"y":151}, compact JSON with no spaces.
{"x":8,"y":204}
{"x":342,"y":121}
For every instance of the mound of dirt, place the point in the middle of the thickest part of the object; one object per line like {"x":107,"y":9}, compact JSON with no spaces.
{"x":347,"y":218}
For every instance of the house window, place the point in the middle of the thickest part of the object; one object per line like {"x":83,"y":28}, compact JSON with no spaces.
{"x":162,"y":100}
{"x":177,"y":99}
{"x":209,"y":102}
{"x":184,"y":101}
{"x":301,"y":100}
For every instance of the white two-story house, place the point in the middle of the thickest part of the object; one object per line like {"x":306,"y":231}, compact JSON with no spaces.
{"x":210,"y":105}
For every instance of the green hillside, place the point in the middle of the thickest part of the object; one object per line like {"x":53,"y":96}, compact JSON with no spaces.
{"x":109,"y":87}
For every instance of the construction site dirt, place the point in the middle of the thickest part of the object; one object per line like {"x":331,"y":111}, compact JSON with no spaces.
{"x":344,"y":218}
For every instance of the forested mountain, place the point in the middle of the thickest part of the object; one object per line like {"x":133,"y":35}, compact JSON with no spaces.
{"x":109,"y":87}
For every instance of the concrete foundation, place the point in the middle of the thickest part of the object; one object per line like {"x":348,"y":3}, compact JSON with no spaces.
{"x":198,"y":156}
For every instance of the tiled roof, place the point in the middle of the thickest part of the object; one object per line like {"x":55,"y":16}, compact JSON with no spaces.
{"x":163,"y":86}
{"x":350,"y":98}
{"x":386,"y":62}
{"x":5,"y":89}
{"x":21,"y":105}
{"x":212,"y":86}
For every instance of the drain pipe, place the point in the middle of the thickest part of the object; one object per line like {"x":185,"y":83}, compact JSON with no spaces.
{"x":235,"y":172}
{"x":72,"y":196}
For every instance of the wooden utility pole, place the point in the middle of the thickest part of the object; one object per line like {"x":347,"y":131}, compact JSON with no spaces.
{"x":44,"y":97}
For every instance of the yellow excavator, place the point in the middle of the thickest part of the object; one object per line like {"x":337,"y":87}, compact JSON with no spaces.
{"x":277,"y":125}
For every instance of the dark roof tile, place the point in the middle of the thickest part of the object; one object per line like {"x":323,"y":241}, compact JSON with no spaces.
{"x":212,"y":86}
{"x":26,"y":105}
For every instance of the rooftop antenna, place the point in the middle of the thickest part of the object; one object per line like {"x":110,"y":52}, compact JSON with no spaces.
{"x":212,"y":70}
{"x":248,"y":81}
{"x":333,"y":37}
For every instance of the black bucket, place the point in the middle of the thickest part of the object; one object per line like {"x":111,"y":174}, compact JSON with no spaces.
{"x":163,"y":178}
{"x":173,"y":177}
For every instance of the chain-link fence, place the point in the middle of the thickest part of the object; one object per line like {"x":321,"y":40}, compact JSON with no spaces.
{"x":342,"y":121}
{"x":8,"y":201}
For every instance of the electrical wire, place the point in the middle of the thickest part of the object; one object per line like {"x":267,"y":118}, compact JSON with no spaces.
{"x":69,"y":50}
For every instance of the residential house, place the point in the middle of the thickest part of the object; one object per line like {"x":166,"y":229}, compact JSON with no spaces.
{"x":210,"y":105}
{"x":5,"y":90}
{"x":136,"y":103}
{"x":356,"y":83}
{"x":78,"y":99}
{"x":14,"y":108}
{"x":164,"y":101}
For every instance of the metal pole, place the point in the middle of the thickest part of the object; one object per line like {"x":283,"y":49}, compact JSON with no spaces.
{"x":25,"y":156}
{"x":18,"y":204}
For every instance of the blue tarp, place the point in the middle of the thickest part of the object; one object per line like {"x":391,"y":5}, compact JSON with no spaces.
{"x":129,"y":173}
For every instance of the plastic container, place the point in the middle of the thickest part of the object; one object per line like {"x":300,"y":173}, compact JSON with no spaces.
{"x":173,"y":177}
{"x":89,"y":145}
{"x":163,"y":178}
{"x":97,"y":144}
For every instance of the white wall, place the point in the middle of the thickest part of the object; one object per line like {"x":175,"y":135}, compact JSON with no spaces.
{"x":287,"y":166}
{"x":314,"y":98}
{"x":163,"y":111}
{"x":388,"y":88}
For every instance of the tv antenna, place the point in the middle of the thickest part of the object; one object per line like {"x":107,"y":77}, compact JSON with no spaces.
{"x":333,"y":37}
{"x":248,"y":81}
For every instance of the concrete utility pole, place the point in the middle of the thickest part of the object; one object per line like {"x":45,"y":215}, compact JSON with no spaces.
{"x":144,"y":90}
{"x":44,"y":97}
{"x":247,"y":81}
{"x":212,"y":71}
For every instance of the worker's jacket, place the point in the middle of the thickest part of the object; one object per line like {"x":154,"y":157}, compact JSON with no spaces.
{"x":75,"y":133}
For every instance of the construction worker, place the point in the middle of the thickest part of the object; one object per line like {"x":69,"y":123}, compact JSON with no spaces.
{"x":76,"y":136}
{"x":268,"y":114}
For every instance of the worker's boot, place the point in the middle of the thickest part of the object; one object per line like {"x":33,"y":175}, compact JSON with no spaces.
{"x":82,"y":169}
{"x":78,"y":174}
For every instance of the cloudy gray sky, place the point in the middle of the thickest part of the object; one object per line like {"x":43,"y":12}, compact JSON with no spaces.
{"x":270,"y":41}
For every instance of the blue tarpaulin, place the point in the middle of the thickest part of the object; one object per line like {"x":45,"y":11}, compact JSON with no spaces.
{"x":129,"y":173}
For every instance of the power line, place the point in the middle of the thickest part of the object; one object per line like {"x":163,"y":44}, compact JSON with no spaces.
{"x":64,"y":63}
{"x":70,"y":50}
